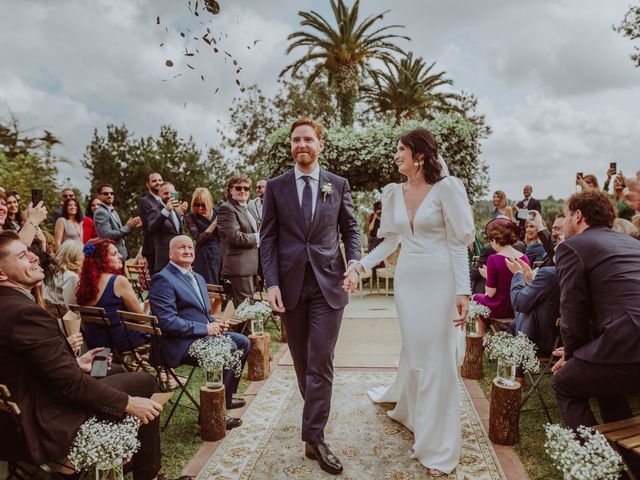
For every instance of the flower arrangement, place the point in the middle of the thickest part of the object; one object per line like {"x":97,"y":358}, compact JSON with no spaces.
{"x":589,"y":457}
{"x":216,"y":353}
{"x":518,"y":350}
{"x":326,"y":189}
{"x":475,"y":313}
{"x":104,"y":444}
{"x":255,"y":310}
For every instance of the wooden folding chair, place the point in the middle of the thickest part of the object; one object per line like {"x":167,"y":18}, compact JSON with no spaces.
{"x":624,"y":435}
{"x":229,"y":316}
{"x":149,"y":324}
{"x":217,"y":297}
{"x":139,"y":278}
{"x":499,"y":324}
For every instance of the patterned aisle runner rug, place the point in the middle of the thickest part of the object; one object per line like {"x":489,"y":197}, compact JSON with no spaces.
{"x":370,"y":444}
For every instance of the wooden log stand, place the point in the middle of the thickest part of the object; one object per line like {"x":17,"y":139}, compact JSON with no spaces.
{"x":504,"y":414}
{"x":258,"y":359}
{"x":472,"y":364}
{"x":213,"y":414}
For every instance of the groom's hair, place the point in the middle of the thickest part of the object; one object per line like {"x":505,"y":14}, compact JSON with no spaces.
{"x":317,"y":126}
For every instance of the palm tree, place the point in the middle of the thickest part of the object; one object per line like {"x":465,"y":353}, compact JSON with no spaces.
{"x":344,"y":51}
{"x":407,"y":90}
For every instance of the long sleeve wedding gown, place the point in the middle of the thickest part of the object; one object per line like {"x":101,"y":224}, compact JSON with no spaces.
{"x":432,"y":269}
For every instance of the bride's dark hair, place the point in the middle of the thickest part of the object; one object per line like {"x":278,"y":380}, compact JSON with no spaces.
{"x":421,"y":141}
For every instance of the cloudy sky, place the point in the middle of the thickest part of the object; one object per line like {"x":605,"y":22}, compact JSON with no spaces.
{"x":553,"y":78}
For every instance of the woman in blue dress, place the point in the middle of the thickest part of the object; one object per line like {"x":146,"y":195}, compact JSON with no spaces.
{"x":202,"y":222}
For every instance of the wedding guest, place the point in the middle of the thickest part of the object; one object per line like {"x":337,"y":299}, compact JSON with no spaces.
{"x":30,"y":233}
{"x":535,"y":249}
{"x":587,"y":182}
{"x":69,"y":226}
{"x":150,"y":202}
{"x":108,"y":223}
{"x":500,"y":203}
{"x":57,"y":213}
{"x":103,"y":285}
{"x":556,"y":229}
{"x":528,"y":202}
{"x":255,"y":204}
{"x":623,"y":208}
{"x":165,"y":223}
{"x":625,"y":227}
{"x":239,"y":233}
{"x":503,"y":234}
{"x":89,"y":232}
{"x":52,"y":387}
{"x":61,"y":288}
{"x":478,"y":282}
{"x":373,"y":224}
{"x":632,"y":192}
{"x":599,"y":276}
{"x":202,"y":222}
{"x":14,"y":215}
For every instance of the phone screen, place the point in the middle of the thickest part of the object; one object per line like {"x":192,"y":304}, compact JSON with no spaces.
{"x":175,"y":195}
{"x":36,"y":196}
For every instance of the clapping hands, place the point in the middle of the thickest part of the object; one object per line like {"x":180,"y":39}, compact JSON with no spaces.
{"x":516,"y":265}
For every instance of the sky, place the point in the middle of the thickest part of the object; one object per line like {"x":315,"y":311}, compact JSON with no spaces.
{"x":552,"y":77}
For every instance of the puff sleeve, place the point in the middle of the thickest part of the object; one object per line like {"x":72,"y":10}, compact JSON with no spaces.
{"x":388,"y":230}
{"x":458,"y":219}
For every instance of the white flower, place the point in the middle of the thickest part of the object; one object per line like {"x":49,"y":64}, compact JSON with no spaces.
{"x":477,"y":311}
{"x":104,"y":444}
{"x":326,"y":189}
{"x":518,"y":350}
{"x":216,"y":352}
{"x":255,"y":310}
{"x":593,"y":458}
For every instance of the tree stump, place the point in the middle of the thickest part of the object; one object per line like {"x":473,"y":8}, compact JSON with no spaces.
{"x":258,"y":359}
{"x":213,"y":414}
{"x":504,"y":414}
{"x":472,"y":364}
{"x":283,"y":331}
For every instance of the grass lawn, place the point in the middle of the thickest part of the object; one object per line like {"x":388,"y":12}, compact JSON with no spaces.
{"x":181,"y":439}
{"x":530,"y":448}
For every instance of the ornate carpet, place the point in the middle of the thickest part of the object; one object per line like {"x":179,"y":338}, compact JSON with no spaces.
{"x":370,"y":444}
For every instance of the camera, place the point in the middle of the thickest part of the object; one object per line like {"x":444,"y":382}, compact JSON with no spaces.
{"x":524,"y":215}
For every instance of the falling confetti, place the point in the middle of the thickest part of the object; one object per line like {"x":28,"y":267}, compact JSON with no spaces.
{"x":169,"y":63}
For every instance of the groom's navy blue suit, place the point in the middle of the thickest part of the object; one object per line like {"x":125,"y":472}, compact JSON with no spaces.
{"x":308,"y":266}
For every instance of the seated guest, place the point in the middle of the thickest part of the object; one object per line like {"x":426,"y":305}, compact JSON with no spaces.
{"x":61,"y":287}
{"x":500,"y":203}
{"x":69,"y":225}
{"x":535,"y":249}
{"x":50,"y":385}
{"x":503,"y":234}
{"x":202,"y":222}
{"x":179,"y":300}
{"x":89,"y":232}
{"x":599,"y":275}
{"x":103,"y":285}
{"x":478,"y":282}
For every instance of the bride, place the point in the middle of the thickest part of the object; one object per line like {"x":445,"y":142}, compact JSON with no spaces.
{"x":430,"y":216}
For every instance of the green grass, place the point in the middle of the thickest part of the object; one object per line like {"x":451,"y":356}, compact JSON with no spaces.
{"x":530,"y":448}
{"x":181,"y":439}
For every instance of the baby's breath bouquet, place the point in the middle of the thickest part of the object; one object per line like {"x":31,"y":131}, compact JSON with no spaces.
{"x":255,"y":310}
{"x":215,"y":353}
{"x":590,"y":457}
{"x":476,"y":312}
{"x":518,"y":350}
{"x":105,"y":445}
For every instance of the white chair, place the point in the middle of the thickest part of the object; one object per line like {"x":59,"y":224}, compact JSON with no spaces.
{"x":388,"y":271}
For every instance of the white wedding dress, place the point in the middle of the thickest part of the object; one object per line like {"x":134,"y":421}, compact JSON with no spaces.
{"x":432,"y":269}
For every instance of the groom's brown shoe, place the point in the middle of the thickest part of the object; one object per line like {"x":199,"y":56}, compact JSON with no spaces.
{"x":326,"y":459}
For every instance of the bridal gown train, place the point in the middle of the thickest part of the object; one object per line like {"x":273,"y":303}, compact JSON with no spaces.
{"x":432,"y":269}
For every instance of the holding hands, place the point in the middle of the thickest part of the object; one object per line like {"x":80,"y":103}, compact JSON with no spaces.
{"x":352,"y":277}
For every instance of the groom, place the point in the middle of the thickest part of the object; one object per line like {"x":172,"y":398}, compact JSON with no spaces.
{"x":303,"y":212}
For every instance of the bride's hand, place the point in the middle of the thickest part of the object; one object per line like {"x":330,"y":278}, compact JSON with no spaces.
{"x":351,"y":278}
{"x":462,"y":304}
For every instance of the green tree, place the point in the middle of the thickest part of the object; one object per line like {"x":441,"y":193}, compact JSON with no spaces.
{"x":365,"y":156}
{"x":630,"y":28}
{"x":342,"y":52}
{"x":409,"y":90}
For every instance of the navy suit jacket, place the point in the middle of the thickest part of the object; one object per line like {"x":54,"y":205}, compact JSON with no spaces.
{"x":537,"y":307}
{"x":599,"y":275}
{"x":146,"y":205}
{"x":182,"y":316}
{"x":286,"y":245}
{"x":162,"y":229}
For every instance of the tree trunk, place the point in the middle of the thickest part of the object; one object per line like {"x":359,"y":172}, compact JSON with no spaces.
{"x":347,"y":85}
{"x":472,"y":365}
{"x":504,"y":414}
{"x":213,"y":414}
{"x":258,"y":359}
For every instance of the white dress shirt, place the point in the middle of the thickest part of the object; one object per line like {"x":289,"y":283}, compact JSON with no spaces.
{"x":314,"y":182}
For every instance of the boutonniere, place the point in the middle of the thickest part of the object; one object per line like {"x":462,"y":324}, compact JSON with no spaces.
{"x":326,"y":189}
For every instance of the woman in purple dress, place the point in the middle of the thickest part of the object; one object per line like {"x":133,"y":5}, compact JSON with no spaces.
{"x":502,"y":233}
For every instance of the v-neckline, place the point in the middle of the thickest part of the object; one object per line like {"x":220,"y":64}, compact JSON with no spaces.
{"x":415,"y":214}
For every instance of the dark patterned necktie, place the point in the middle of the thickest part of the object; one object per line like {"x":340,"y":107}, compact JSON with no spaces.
{"x":307,"y":203}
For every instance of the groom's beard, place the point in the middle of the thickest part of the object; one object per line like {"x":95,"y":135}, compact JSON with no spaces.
{"x":305,"y":158}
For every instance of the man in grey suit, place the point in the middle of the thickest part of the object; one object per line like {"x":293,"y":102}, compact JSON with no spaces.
{"x":239,"y":229}
{"x":108,"y":223}
{"x":599,"y":276}
{"x":306,"y":212}
{"x":255,"y":204}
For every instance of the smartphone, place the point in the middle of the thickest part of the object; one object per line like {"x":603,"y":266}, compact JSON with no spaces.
{"x":36,"y":196}
{"x":579,"y":175}
{"x":613,"y":166}
{"x":524,"y":215}
{"x":175,"y":195}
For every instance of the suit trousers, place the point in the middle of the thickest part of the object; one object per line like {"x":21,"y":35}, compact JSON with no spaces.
{"x":241,"y":288}
{"x":312,"y":331}
{"x":146,"y":461}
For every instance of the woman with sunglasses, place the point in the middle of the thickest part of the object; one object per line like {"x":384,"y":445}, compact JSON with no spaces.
{"x":202,"y":222}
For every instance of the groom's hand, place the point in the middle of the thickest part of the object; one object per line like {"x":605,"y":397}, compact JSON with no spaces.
{"x":350,"y":283}
{"x":275,"y":299}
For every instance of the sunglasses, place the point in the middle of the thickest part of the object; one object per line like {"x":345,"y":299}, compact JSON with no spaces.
{"x":108,"y":193}
{"x":240,"y":189}
{"x":69,"y":196}
{"x":199,"y":205}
